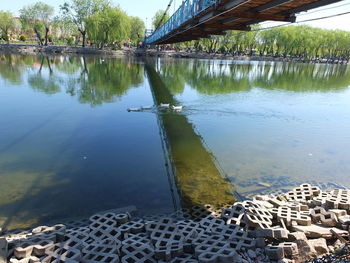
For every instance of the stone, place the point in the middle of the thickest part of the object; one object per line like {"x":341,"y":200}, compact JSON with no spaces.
{"x":317,"y":231}
{"x":306,"y":250}
{"x":338,"y":212}
{"x":320,"y":245}
{"x":3,"y":250}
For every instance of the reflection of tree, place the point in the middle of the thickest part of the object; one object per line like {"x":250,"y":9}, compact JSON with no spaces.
{"x":103,"y":81}
{"x":92,"y":80}
{"x":217,"y":77}
{"x":12,"y":67}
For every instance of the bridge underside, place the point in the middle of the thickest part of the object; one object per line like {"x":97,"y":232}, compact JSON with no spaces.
{"x":230,"y":15}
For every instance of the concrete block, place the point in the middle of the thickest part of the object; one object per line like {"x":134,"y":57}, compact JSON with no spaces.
{"x":214,"y":250}
{"x":111,"y":233}
{"x":319,"y":214}
{"x":96,"y":253}
{"x":210,"y":222}
{"x":199,"y":212}
{"x":25,"y":250}
{"x":288,"y":215}
{"x":339,"y":199}
{"x":290,"y":249}
{"x":132,"y":227}
{"x":274,"y":252}
{"x":141,"y":254}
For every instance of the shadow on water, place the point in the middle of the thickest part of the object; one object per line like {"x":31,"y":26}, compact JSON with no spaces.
{"x":198,"y":178}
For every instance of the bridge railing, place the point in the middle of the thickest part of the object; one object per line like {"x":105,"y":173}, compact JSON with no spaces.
{"x":188,"y":10}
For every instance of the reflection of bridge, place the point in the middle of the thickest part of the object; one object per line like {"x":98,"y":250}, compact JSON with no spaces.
{"x":201,"y":18}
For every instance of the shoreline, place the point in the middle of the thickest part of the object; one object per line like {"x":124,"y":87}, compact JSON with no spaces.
{"x":294,"y":227}
{"x":31,"y":49}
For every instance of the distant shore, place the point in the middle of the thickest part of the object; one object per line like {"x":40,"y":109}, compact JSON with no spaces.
{"x":31,"y":49}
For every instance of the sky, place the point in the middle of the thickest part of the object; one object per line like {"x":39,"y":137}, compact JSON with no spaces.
{"x":145,"y":9}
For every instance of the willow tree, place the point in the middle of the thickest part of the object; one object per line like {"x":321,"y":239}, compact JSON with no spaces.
{"x":137,"y":29}
{"x":39,"y":16}
{"x":108,"y":26}
{"x":7,"y":23}
{"x":159,"y":18}
{"x":80,"y":11}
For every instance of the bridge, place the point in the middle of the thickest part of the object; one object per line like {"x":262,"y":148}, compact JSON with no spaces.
{"x":196,"y":19}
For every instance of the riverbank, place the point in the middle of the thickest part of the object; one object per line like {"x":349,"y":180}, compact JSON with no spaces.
{"x":296,"y":226}
{"x":27,"y":49}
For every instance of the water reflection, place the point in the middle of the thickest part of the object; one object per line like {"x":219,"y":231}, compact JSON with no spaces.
{"x":220,"y":77}
{"x":82,"y":77}
{"x":62,"y":157}
{"x":198,"y":178}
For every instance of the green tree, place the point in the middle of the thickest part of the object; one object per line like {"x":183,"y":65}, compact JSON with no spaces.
{"x":159,"y":18}
{"x":39,"y":16}
{"x":7,"y":23}
{"x":108,"y":26}
{"x":137,"y":29}
{"x":79,"y":11}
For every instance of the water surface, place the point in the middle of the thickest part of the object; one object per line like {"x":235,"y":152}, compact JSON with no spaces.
{"x":69,"y":147}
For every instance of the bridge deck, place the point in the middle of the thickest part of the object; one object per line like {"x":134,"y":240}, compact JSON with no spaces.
{"x":201,"y":18}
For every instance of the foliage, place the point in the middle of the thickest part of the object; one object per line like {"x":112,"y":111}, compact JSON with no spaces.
{"x":137,"y":29}
{"x":108,"y":26}
{"x":22,"y":38}
{"x":39,"y":16}
{"x":80,"y":11}
{"x":7,"y":23}
{"x":159,"y":18}
{"x":302,"y":42}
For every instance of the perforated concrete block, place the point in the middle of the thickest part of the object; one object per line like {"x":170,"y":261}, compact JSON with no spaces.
{"x":212,"y":250}
{"x":210,"y":223}
{"x":288,"y":215}
{"x":111,"y":233}
{"x":95,"y":253}
{"x":319,"y":214}
{"x":339,"y":199}
{"x":62,"y":254}
{"x":142,"y":254}
{"x":133,"y":227}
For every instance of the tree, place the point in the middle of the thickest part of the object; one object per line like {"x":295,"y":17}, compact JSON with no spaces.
{"x":7,"y":23}
{"x":137,"y":29}
{"x":159,"y":19}
{"x":39,"y":16}
{"x":79,"y":11}
{"x":107,"y":26}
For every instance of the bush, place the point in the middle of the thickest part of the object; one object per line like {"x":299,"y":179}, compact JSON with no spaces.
{"x":50,"y":38}
{"x":70,"y":41}
{"x":22,"y":38}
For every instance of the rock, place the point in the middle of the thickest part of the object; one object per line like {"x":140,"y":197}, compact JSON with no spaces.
{"x":3,"y":250}
{"x":338,"y":212}
{"x":317,"y":231}
{"x":306,"y":249}
{"x":251,"y":253}
{"x":320,"y":245}
{"x":337,"y":244}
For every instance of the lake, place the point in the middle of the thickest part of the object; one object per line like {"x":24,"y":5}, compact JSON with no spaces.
{"x":69,"y":147}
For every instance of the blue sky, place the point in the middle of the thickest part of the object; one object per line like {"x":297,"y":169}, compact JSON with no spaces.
{"x":145,"y":9}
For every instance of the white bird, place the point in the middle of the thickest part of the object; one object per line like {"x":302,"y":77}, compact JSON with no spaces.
{"x":165,"y":105}
{"x":177,"y":108}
